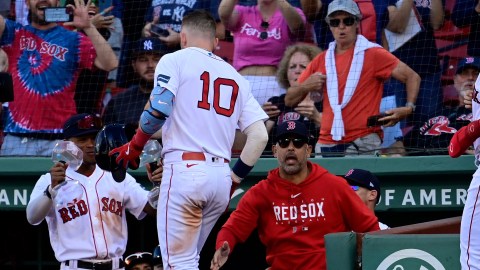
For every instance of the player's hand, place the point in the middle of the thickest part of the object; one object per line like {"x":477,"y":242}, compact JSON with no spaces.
{"x":155,"y":176}
{"x":173,"y":38}
{"x":467,"y":99}
{"x":127,"y":154}
{"x":220,"y":257}
{"x":57,"y":173}
{"x":271,"y":110}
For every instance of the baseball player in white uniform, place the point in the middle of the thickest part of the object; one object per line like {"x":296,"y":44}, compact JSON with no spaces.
{"x":470,"y":224}
{"x":89,"y":232}
{"x":205,"y":100}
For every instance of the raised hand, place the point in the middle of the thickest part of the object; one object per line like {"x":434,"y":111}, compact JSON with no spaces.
{"x":127,"y":154}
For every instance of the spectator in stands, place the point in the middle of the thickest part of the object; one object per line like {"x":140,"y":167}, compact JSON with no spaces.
{"x":349,"y":103}
{"x":91,"y":83}
{"x":419,"y":52}
{"x":261,"y":35}
{"x":5,"y":8}
{"x":293,"y":63}
{"x":277,"y":208}
{"x":3,"y":61}
{"x":164,"y":20}
{"x":467,"y":13}
{"x":139,"y":261}
{"x":45,"y":60}
{"x":126,"y":107}
{"x":433,"y":136}
{"x":367,"y":187}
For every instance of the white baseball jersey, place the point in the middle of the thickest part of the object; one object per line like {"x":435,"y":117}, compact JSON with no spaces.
{"x":95,"y":227}
{"x":211,"y":100}
{"x":470,"y":224}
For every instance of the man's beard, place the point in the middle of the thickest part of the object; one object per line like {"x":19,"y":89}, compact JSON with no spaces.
{"x":146,"y":85}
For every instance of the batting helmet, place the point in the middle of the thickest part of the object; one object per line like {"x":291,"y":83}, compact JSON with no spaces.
{"x":111,"y":136}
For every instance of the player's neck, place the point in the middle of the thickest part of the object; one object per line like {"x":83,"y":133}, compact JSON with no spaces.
{"x":295,"y":178}
{"x":86,"y":169}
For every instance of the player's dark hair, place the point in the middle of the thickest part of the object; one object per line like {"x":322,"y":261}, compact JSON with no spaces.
{"x":200,"y":20}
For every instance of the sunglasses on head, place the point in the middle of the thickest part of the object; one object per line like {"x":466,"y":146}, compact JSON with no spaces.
{"x":139,"y":255}
{"x":264,"y":34}
{"x":297,"y":142}
{"x":349,"y":21}
{"x":88,"y":122}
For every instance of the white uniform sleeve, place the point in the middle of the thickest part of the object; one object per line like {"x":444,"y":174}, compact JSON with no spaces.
{"x":136,"y":197}
{"x":39,"y":204}
{"x":252,"y":112}
{"x":167,"y":73}
{"x":257,"y":138}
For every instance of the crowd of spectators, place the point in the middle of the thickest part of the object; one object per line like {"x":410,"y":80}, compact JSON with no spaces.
{"x":268,"y":36}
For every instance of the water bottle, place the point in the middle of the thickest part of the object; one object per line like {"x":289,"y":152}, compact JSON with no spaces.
{"x":151,"y":154}
{"x":68,"y":191}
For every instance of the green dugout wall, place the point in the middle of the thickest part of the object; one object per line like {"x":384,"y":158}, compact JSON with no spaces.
{"x":414,"y":189}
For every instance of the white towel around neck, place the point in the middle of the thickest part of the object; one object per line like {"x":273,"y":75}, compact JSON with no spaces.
{"x":361,"y":45}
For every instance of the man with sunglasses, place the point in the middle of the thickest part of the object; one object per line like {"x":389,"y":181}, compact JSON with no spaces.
{"x":350,"y":76}
{"x":367,"y":187}
{"x":45,"y":60}
{"x":89,"y":232}
{"x":139,"y":261}
{"x":294,"y":208}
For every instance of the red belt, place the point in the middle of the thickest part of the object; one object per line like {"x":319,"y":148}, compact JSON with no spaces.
{"x":198,"y":156}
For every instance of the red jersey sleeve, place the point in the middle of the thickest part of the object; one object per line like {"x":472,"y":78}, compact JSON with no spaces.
{"x":241,"y":222}
{"x":313,"y":67}
{"x":87,"y":53}
{"x":384,"y":63}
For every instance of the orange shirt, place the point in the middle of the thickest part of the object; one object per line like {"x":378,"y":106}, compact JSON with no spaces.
{"x":377,"y":67}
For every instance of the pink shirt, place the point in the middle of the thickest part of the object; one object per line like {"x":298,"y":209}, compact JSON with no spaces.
{"x":250,"y":49}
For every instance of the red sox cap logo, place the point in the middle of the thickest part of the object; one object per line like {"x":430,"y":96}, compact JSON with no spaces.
{"x":291,"y":125}
{"x":469,"y":60}
{"x":349,"y":173}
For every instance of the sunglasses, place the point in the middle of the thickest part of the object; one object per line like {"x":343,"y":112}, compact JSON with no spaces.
{"x":297,"y":142}
{"x":355,"y":188}
{"x":349,"y":21}
{"x":139,"y":255}
{"x":264,"y":34}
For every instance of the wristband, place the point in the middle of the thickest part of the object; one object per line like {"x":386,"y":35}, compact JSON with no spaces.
{"x":241,"y":169}
{"x":47,"y":193}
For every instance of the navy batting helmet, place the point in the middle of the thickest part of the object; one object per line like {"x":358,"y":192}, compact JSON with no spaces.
{"x":111,"y":136}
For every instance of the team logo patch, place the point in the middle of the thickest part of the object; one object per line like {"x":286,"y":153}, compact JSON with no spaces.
{"x":163,"y":78}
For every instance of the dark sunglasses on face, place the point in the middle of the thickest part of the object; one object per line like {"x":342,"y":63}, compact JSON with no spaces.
{"x":264,"y":34}
{"x":349,"y":21}
{"x":355,"y":188}
{"x":297,"y":142}
{"x":139,"y":255}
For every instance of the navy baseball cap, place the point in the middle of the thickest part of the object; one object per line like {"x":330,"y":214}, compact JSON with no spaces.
{"x":468,"y":62}
{"x":150,"y":45}
{"x":296,"y":128}
{"x":81,"y":124}
{"x":363,"y":178}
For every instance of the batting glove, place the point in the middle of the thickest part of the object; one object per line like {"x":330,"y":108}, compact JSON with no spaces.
{"x":463,"y":139}
{"x":127,"y":155}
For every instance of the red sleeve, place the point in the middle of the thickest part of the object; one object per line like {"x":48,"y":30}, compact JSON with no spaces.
{"x":463,"y":139}
{"x":358,"y":217}
{"x":87,"y":53}
{"x":311,"y":68}
{"x":241,"y":222}
{"x":384,"y":62}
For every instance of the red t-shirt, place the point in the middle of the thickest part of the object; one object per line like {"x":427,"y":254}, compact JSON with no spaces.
{"x":378,"y":65}
{"x":293,"y":219}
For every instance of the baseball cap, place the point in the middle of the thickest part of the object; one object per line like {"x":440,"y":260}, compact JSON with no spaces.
{"x":292,"y":128}
{"x":363,"y":178}
{"x":149,"y":45}
{"x":81,"y":124}
{"x":468,"y":62}
{"x":348,"y":6}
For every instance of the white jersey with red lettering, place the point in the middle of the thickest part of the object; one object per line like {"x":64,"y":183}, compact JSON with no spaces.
{"x":211,"y":101}
{"x":470,"y":225}
{"x":94,"y":227}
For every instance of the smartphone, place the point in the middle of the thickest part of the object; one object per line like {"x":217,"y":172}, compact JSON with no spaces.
{"x":373,"y":121}
{"x":58,"y":14}
{"x":6,"y":87}
{"x":104,"y":4}
{"x":159,"y":31}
